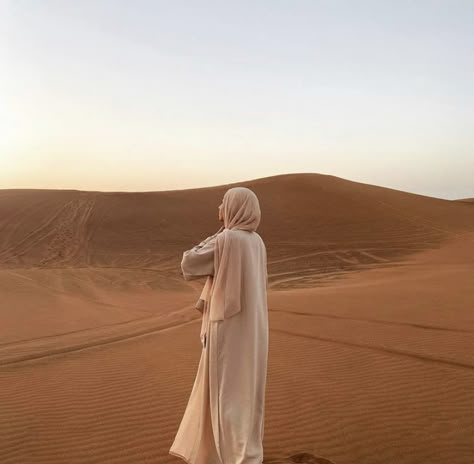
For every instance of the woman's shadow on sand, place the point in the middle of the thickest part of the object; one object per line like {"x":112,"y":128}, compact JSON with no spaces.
{"x":298,"y":458}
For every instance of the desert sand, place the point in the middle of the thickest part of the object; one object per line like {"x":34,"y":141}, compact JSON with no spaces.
{"x":371,"y":305}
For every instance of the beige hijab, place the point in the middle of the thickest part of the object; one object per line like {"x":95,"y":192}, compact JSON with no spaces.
{"x":241,"y":210}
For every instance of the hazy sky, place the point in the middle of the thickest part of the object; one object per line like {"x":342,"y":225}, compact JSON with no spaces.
{"x":156,"y":95}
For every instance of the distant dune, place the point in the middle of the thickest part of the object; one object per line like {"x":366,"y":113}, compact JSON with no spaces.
{"x":370,"y":308}
{"x":315,"y":226}
{"x":469,"y":200}
{"x":105,"y":255}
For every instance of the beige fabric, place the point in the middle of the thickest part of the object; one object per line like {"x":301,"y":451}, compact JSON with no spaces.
{"x":196,"y":263}
{"x":224,"y":419}
{"x":199,"y":260}
{"x":235,"y":256}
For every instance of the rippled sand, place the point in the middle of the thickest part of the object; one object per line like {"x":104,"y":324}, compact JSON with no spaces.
{"x":371,"y":325}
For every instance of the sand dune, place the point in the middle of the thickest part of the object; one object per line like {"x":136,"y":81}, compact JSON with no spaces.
{"x":303,"y":214}
{"x":371,"y":300}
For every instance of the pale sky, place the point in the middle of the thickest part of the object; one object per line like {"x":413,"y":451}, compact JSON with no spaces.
{"x":138,"y":95}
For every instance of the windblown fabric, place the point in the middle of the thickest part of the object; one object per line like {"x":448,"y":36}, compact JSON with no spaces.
{"x":224,"y":419}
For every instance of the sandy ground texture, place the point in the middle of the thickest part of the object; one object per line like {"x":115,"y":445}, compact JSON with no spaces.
{"x":371,"y":308}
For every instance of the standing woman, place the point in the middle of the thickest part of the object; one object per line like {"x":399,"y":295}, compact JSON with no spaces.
{"x":224,"y":419}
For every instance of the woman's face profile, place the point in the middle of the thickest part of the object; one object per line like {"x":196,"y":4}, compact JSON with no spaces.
{"x":221,"y":217}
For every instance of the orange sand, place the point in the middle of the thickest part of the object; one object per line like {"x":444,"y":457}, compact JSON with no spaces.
{"x":371,"y":323}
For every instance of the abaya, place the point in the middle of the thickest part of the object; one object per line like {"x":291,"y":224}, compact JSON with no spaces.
{"x":224,"y":419}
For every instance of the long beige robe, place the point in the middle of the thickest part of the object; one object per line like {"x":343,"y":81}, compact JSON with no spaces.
{"x":224,"y":419}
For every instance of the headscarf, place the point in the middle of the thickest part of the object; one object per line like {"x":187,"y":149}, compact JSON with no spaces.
{"x":241,"y":210}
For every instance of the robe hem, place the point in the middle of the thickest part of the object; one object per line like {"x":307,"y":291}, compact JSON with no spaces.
{"x":180,"y":456}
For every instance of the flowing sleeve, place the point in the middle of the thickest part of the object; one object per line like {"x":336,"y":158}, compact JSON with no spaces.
{"x":199,"y":260}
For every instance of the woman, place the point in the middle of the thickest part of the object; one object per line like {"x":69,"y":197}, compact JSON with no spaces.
{"x":224,"y":419}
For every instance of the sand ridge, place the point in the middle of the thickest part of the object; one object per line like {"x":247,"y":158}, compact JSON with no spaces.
{"x":370,"y":308}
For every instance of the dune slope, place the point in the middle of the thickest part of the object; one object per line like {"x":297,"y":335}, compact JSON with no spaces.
{"x":370,"y":308}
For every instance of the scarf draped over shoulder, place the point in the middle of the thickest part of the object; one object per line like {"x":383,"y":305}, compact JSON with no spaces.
{"x":223,"y":289}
